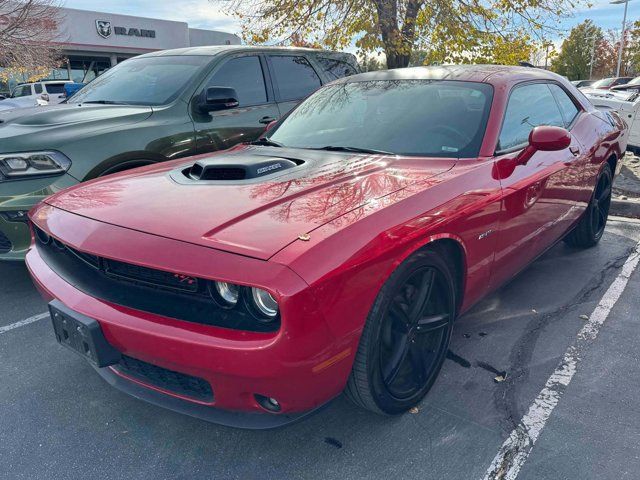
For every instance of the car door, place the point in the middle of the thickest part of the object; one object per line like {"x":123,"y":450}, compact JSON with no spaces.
{"x":537,"y":205}
{"x":576,"y":185}
{"x":294,"y":78}
{"x":23,"y":96}
{"x":257,"y":106}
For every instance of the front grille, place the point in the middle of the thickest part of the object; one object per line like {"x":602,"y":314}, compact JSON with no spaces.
{"x":169,"y":294}
{"x":175,"y":382}
{"x":150,"y":276}
{"x":5,"y":243}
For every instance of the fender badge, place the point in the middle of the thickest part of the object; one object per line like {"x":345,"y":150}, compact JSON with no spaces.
{"x":485,"y":234}
{"x":305,"y":237}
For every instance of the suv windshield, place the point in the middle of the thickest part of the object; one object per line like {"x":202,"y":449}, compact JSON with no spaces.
{"x":404,"y":117}
{"x":143,"y":81}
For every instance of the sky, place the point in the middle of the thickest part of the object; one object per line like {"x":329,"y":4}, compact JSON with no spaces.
{"x":204,"y":14}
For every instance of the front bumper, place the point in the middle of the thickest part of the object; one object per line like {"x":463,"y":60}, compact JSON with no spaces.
{"x":302,"y":366}
{"x":22,"y":196}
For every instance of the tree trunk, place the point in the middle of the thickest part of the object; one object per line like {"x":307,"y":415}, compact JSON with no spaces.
{"x":398,"y":44}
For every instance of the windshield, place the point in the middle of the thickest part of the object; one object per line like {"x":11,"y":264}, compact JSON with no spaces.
{"x":404,"y":117}
{"x":605,"y":82}
{"x":143,"y":81}
{"x":635,"y":81}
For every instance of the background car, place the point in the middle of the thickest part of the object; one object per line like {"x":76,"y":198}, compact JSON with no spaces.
{"x":626,"y":104}
{"x":582,"y":83}
{"x":252,"y":286}
{"x":632,"y":85}
{"x":607,"y":83}
{"x":149,"y":109}
{"x":71,"y":88}
{"x":44,"y":92}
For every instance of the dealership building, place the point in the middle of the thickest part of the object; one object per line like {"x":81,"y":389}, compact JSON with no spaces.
{"x":91,"y":41}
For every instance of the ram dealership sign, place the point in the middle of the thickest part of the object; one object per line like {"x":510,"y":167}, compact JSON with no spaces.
{"x":105,"y":30}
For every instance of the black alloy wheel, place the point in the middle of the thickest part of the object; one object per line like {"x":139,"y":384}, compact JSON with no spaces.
{"x":406,"y":337}
{"x":599,"y":207}
{"x":589,"y":230}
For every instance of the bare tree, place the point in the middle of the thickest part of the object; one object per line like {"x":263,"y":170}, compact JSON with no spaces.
{"x":28,"y":30}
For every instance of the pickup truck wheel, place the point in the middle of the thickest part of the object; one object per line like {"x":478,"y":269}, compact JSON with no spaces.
{"x":588,"y":232}
{"x":406,"y":336}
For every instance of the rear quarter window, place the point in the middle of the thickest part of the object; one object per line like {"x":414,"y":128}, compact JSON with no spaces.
{"x":294,"y":76}
{"x":336,"y":68}
{"x":54,"y":87}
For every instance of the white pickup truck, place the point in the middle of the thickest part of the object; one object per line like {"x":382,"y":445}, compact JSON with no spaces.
{"x":627,"y":104}
{"x":45,"y":92}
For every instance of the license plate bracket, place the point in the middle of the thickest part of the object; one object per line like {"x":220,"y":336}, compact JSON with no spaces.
{"x":82,"y":335}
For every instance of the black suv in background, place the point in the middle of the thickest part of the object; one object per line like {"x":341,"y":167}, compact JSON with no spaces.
{"x":148,"y":109}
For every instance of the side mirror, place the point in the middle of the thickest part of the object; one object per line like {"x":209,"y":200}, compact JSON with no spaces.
{"x":270,"y":125}
{"x":544,"y":138}
{"x":549,"y":139}
{"x":217,"y":98}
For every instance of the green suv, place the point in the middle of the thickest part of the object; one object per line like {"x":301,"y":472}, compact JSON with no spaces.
{"x":148,"y":109}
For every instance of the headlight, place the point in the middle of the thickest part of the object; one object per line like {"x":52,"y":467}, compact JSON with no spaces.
{"x":264,"y":303}
{"x":228,"y":293}
{"x":32,"y":164}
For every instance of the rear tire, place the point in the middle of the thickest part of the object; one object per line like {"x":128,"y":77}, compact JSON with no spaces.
{"x":588,"y":232}
{"x":406,"y":336}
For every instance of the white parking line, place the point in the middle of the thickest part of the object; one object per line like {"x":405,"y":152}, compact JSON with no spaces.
{"x":515,"y":450}
{"x":26,"y":321}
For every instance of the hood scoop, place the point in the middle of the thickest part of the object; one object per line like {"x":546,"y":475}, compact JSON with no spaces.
{"x":238,"y":167}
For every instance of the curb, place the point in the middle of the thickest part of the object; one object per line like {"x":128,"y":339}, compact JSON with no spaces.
{"x":625,"y":208}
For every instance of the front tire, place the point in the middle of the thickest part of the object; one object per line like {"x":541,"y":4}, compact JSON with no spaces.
{"x":588,"y":232}
{"x":406,"y":336}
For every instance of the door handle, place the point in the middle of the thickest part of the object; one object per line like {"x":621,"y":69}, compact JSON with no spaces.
{"x":266,"y":120}
{"x":575,"y":151}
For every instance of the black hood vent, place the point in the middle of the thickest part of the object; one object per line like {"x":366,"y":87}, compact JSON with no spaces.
{"x":237,"y":167}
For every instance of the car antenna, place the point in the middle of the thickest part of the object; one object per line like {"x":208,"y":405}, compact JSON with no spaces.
{"x":526,"y":64}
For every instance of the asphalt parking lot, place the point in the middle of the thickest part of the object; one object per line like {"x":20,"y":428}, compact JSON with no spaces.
{"x":60,"y":420}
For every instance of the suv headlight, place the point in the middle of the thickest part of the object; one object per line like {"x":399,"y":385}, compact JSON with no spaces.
{"x":32,"y":164}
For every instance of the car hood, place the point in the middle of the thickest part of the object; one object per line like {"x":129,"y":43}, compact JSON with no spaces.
{"x":255,"y":218}
{"x":25,"y":120}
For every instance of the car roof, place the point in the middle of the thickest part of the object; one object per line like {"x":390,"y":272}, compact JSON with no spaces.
{"x":217,"y":49}
{"x":44,"y":81}
{"x":494,"y":74}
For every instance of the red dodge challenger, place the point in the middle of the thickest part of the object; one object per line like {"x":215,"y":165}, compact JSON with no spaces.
{"x":250,"y":287}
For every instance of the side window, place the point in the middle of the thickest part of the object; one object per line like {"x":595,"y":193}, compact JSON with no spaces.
{"x":38,"y":87}
{"x":528,"y":106}
{"x":567,"y":107}
{"x":295,"y":77}
{"x":245,"y":75}
{"x":336,"y":68}
{"x":22,"y":91}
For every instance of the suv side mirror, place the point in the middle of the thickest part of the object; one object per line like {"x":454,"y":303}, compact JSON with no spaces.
{"x":217,"y":98}
{"x":544,"y":138}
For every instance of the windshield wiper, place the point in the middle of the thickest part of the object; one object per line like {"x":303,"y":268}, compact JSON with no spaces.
{"x":339,"y":148}
{"x":266,"y":142}
{"x":106,"y":102}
